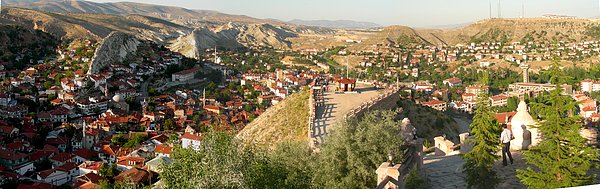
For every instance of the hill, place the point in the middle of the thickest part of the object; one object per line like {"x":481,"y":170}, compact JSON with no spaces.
{"x":16,"y":41}
{"x":286,"y":121}
{"x":505,"y":30}
{"x":187,"y":40}
{"x":94,"y":26}
{"x":170,"y":13}
{"x":350,"y":24}
{"x":233,"y":36}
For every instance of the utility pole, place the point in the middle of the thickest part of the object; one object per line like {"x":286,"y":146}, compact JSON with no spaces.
{"x":523,"y":9}
{"x":499,"y":9}
{"x":490,"y":9}
{"x":347,"y":66}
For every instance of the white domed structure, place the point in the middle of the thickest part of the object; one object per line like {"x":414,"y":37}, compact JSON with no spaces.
{"x":119,"y":103}
{"x":522,"y":128}
{"x":117,"y":98}
{"x":522,"y":117}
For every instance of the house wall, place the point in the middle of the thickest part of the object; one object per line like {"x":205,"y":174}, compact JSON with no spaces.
{"x":58,"y":178}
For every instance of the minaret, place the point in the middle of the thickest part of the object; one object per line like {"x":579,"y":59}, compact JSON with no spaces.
{"x":204,"y":97}
{"x":525,"y":68}
{"x":83,"y":138}
{"x":106,"y":89}
{"x":144,"y":105}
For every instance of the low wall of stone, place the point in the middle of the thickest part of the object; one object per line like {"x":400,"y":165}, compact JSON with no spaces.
{"x":311,"y":115}
{"x":387,"y":100}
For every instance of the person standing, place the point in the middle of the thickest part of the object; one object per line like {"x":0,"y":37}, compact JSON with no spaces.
{"x":505,"y":138}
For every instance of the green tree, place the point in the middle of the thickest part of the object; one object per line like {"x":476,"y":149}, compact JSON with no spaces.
{"x":479,"y":161}
{"x":118,"y":140}
{"x":356,"y":148}
{"x":217,"y":163}
{"x":288,"y":166}
{"x":512,"y":103}
{"x":563,"y":158}
{"x":109,"y":171}
{"x":169,"y":125}
{"x":135,"y":141}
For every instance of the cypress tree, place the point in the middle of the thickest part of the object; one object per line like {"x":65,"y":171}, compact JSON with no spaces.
{"x":485,"y":131}
{"x":479,"y":161}
{"x":563,"y":158}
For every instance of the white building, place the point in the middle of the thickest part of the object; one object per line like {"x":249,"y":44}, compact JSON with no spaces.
{"x":191,"y":140}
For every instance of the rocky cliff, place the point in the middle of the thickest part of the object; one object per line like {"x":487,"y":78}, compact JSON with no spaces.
{"x":233,"y":36}
{"x":113,"y":50}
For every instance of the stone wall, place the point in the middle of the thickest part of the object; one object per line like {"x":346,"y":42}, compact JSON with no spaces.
{"x":311,"y":116}
{"x":113,"y":50}
{"x":387,"y":100}
{"x":393,"y":175}
{"x":315,"y":99}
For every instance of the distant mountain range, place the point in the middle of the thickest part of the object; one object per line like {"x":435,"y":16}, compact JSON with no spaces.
{"x":174,"y":14}
{"x":335,"y":23}
{"x":190,"y":31}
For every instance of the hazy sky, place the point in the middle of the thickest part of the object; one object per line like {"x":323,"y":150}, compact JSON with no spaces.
{"x":416,"y":13}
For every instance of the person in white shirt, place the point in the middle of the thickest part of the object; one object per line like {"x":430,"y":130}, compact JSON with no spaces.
{"x":505,"y":138}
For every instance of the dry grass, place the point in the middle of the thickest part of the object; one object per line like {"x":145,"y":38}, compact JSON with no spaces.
{"x":286,"y":121}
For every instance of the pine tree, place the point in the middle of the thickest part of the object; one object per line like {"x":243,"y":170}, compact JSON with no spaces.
{"x":486,"y":131}
{"x":479,"y":161}
{"x":563,"y":158}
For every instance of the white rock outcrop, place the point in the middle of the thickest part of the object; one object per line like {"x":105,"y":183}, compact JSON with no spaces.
{"x":113,"y":50}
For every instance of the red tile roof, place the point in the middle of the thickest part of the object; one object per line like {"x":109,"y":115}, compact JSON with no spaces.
{"x":109,"y":149}
{"x":163,"y":149}
{"x":67,"y":167}
{"x":84,"y":153}
{"x":10,"y":155}
{"x":36,"y":185}
{"x":505,"y":117}
{"x":92,"y":165}
{"x":6,"y":129}
{"x":193,"y":136}
{"x":62,"y":157}
{"x":347,"y":81}
{"x":47,"y":173}
{"x":134,"y":175}
{"x":433,"y":102}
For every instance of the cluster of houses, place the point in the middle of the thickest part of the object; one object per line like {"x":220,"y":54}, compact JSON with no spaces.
{"x":68,"y":131}
{"x":587,"y":106}
{"x":394,"y":59}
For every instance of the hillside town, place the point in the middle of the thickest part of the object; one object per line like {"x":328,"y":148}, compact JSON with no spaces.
{"x":139,"y":97}
{"x":62,"y":125}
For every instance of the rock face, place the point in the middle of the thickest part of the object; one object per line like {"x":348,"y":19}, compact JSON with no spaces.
{"x":113,"y":49}
{"x":233,"y":36}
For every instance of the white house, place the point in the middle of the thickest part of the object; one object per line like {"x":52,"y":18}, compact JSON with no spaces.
{"x":53,"y":176}
{"x":191,"y":140}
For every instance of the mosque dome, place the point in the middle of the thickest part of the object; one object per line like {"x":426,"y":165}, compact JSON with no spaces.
{"x":118,"y":98}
